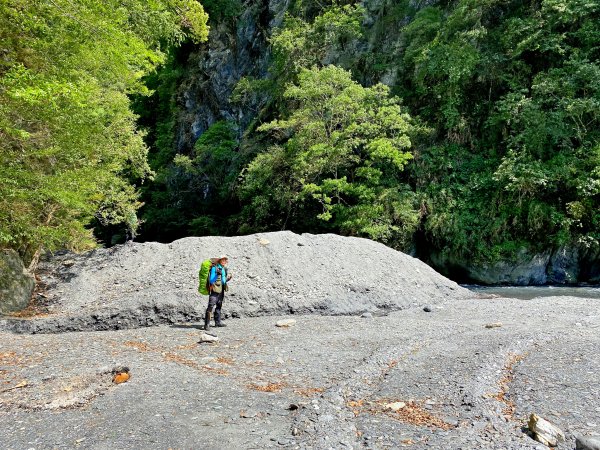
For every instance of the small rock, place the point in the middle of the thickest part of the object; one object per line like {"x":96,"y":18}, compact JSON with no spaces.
{"x":544,"y":432}
{"x":587,"y":442}
{"x":493,"y":325}
{"x":121,"y":377}
{"x":285,"y":323}
{"x":252,"y":302}
{"x":300,"y":244}
{"x":69,"y":263}
{"x":248,"y":414}
{"x":396,"y":406}
{"x":295,"y":432}
{"x":205,"y":337}
{"x":367,"y":315}
{"x":427,"y":308}
{"x":280,"y":360}
{"x":208,"y":359}
{"x":263,"y":241}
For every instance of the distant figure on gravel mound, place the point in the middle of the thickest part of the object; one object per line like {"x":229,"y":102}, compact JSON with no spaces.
{"x":213,"y":281}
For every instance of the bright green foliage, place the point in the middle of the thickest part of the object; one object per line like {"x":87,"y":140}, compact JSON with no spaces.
{"x":347,"y":146}
{"x":301,"y":45}
{"x":68,"y":140}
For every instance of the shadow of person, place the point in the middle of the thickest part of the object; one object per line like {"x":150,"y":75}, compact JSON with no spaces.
{"x":189,"y":326}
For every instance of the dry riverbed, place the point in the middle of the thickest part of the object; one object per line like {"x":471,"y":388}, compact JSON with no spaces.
{"x":410,"y":378}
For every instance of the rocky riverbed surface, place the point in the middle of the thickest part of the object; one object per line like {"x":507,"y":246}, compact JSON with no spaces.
{"x":331,"y":343}
{"x":465,"y":375}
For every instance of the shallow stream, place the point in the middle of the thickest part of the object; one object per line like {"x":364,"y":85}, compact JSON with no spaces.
{"x":529,"y":292}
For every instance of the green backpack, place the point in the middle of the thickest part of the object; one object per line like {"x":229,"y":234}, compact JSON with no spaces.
{"x":203,"y":275}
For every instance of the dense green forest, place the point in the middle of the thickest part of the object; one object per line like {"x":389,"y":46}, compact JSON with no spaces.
{"x":486,"y":141}
{"x":468,"y":128}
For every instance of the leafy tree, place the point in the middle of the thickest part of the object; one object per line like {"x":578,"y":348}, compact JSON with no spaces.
{"x":342,"y":147}
{"x":69,"y":144}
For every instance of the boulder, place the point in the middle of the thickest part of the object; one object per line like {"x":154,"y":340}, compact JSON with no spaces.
{"x":208,"y":338}
{"x":587,"y":442}
{"x":16,"y":284}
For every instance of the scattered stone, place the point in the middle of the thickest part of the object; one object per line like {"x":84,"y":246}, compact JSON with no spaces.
{"x":493,"y":325}
{"x":295,"y":432}
{"x":205,"y":337}
{"x":587,"y":442}
{"x":367,"y":315}
{"x":248,"y":414}
{"x":120,"y":374}
{"x":263,"y":241}
{"x":395,"y":406}
{"x":69,"y":263}
{"x":286,"y":323}
{"x":544,"y":432}
{"x":427,"y":308}
{"x":208,"y":359}
{"x":293,"y":407}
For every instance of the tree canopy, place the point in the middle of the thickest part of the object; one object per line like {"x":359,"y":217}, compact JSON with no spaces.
{"x":342,"y":146}
{"x":70,"y":149}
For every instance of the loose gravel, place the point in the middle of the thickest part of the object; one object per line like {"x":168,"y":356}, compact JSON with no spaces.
{"x":322,"y":383}
{"x":136,"y":284}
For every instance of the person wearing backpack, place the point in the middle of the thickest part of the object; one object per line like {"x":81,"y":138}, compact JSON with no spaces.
{"x":217,"y":286}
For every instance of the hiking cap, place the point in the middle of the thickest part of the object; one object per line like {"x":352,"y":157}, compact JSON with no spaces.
{"x":216,"y":260}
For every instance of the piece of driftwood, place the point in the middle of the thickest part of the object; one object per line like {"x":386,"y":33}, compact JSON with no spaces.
{"x":544,"y":432}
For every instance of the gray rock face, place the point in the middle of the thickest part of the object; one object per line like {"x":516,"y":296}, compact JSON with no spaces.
{"x":234,"y":50}
{"x":240,"y":48}
{"x":563,"y":266}
{"x":527,"y":269}
{"x":16,"y":284}
{"x":569,"y":264}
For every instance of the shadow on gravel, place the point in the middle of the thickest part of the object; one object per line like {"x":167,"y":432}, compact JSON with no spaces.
{"x":187,"y":327}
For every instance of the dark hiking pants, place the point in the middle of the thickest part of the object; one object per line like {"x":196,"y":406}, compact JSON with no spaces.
{"x":215,"y":302}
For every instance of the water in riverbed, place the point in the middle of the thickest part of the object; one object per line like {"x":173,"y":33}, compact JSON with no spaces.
{"x":529,"y":292}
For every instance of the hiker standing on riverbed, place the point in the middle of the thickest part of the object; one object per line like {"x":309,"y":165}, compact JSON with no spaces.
{"x":217,"y":281}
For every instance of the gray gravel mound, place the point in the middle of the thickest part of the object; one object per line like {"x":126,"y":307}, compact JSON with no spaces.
{"x":143,"y":284}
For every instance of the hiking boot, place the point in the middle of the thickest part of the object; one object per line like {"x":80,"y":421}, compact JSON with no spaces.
{"x":220,"y":324}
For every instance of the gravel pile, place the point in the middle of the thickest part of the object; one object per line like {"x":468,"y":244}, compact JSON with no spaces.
{"x":143,"y":284}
